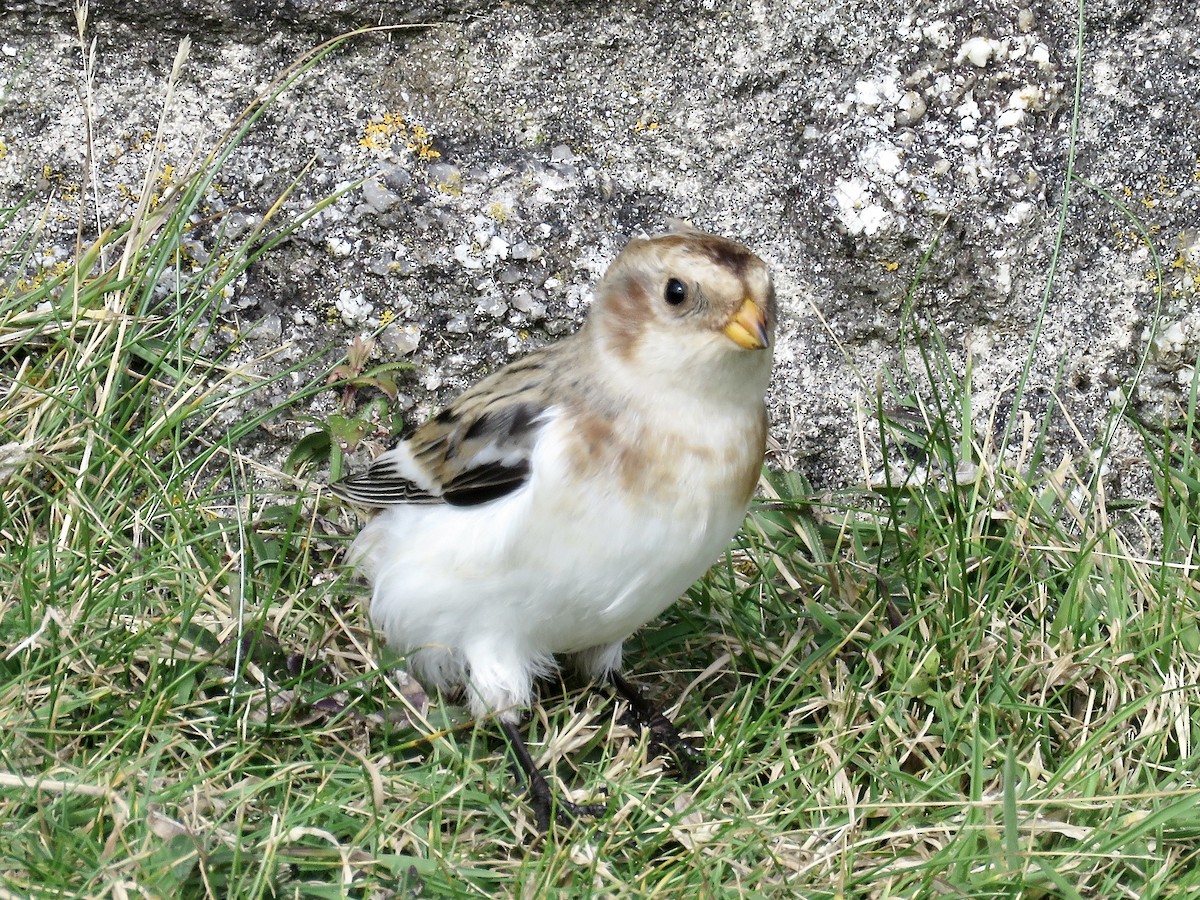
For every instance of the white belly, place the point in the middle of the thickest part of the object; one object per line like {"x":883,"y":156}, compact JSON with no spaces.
{"x":491,"y":593}
{"x":583,"y":573}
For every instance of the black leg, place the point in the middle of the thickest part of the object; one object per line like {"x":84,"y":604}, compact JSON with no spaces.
{"x":540,"y":796}
{"x":663,"y":736}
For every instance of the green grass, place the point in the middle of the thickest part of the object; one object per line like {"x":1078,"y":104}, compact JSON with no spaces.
{"x":976,"y":676}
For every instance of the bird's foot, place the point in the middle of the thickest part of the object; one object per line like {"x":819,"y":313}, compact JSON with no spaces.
{"x":564,"y":813}
{"x":664,"y":738}
{"x":546,"y":807}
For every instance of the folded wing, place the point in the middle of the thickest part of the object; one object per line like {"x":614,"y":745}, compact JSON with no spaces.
{"x":476,"y":450}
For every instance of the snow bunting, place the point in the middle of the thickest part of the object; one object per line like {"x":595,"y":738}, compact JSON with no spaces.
{"x":570,"y":497}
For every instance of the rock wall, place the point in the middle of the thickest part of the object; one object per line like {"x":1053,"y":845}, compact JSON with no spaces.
{"x":871,"y":153}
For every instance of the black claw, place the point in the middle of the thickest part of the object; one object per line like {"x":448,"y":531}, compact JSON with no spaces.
{"x":566,"y":813}
{"x":563,"y":812}
{"x":663,"y":736}
{"x":689,"y":762}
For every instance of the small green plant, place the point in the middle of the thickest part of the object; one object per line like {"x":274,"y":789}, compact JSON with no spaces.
{"x":353,"y":375}
{"x":343,"y":431}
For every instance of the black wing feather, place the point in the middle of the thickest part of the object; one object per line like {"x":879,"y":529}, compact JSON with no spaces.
{"x":476,"y":450}
{"x":485,"y":483}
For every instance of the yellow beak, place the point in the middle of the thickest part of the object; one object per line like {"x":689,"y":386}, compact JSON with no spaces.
{"x":748,"y":327}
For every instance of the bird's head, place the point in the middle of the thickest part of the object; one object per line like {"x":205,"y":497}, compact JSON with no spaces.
{"x":687,"y":307}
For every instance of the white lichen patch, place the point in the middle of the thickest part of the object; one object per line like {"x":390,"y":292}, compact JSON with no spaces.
{"x":857,"y":208}
{"x":979,"y":51}
{"x":354,"y":308}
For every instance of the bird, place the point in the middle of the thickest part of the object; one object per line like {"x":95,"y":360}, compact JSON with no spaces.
{"x":571,"y":496}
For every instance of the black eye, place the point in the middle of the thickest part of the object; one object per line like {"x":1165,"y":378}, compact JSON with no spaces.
{"x":675,"y":293}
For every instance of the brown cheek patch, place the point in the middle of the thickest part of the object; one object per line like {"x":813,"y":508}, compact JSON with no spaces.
{"x":627,"y":310}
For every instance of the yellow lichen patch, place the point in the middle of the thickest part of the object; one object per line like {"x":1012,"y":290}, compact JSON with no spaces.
{"x":499,"y":212}
{"x":1130,"y":239}
{"x":380,"y":137}
{"x":47,"y":274}
{"x":420,"y":142}
{"x":451,"y":185}
{"x":1186,"y":264}
{"x":184,"y":259}
{"x":67,"y":190}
